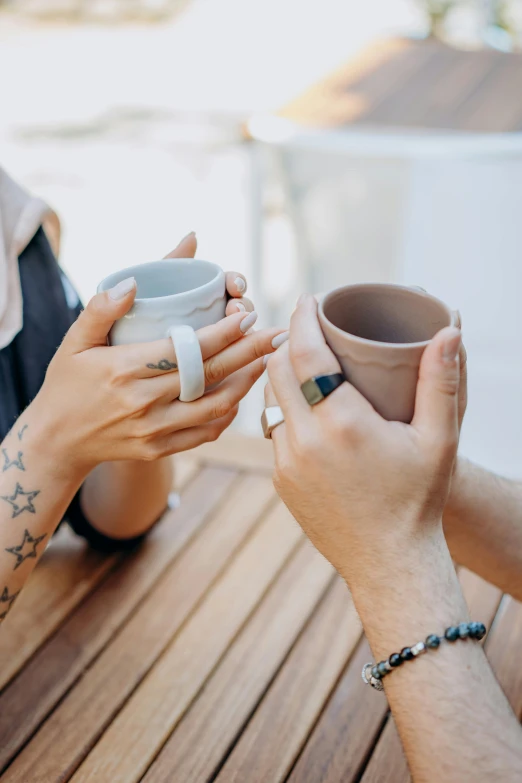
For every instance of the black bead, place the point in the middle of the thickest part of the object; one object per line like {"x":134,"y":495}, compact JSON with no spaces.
{"x":395,"y":659}
{"x":406,"y":654}
{"x":452,"y":633}
{"x":376,"y":673}
{"x":382,"y":668}
{"x":432,"y":641}
{"x":463,"y":631}
{"x":473,"y":630}
{"x":480,"y":631}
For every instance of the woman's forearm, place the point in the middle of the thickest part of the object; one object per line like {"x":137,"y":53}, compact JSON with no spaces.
{"x":453,"y":719}
{"x":483,"y":526}
{"x":124,"y":499}
{"x":36,"y":486}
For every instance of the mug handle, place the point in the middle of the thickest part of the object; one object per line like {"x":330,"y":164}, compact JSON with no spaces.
{"x":189,"y":361}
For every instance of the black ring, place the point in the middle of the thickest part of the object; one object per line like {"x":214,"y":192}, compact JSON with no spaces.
{"x":318,"y":388}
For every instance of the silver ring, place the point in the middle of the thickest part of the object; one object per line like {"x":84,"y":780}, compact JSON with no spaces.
{"x":271,"y":418}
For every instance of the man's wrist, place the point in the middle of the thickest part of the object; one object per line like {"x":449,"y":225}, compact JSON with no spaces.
{"x":408,"y":595}
{"x":400,"y":551}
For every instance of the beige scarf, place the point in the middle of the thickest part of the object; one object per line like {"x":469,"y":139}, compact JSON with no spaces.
{"x":21,"y":215}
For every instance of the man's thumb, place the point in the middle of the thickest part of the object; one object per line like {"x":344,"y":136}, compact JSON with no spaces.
{"x":94,"y":323}
{"x":436,"y":402}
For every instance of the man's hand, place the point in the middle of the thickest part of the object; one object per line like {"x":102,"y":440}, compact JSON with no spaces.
{"x":370,"y":495}
{"x":361,"y":487}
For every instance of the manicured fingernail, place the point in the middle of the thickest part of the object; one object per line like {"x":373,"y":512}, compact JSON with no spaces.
{"x":122,"y":288}
{"x":451,"y":345}
{"x":240,"y":284}
{"x":189,"y":236}
{"x":266,"y":358}
{"x":280,"y":339}
{"x":457,"y":319}
{"x":301,"y":299}
{"x":248,"y":322}
{"x":240,"y":306}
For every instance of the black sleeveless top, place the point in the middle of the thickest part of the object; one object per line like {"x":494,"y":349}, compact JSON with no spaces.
{"x":50,"y":307}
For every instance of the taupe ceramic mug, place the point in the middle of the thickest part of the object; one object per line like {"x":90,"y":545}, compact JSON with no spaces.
{"x":379,"y":333}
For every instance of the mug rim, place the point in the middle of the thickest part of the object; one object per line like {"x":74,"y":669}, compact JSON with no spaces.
{"x":379,"y":343}
{"x":130,"y":272}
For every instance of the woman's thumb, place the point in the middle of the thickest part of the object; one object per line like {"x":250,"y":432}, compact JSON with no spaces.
{"x":94,"y":323}
{"x":436,"y":402}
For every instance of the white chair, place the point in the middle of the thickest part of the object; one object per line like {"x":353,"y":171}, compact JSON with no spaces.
{"x":439,"y":210}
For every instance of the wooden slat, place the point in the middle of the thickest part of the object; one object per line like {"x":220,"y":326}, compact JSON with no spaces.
{"x":186,"y":467}
{"x":337,"y":100}
{"x":406,"y":104}
{"x":388,"y":762}
{"x":504,"y":650}
{"x":67,"y":572}
{"x":238,"y":451}
{"x":135,"y":737}
{"x":102,"y":691}
{"x":204,"y":736}
{"x":349,"y":726}
{"x":30,"y":697}
{"x":416,"y":84}
{"x":495,"y":106}
{"x":272,"y":740}
{"x":450,"y":99}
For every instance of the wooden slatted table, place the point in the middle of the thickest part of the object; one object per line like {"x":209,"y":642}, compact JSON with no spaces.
{"x":417,"y":84}
{"x":226,"y":649}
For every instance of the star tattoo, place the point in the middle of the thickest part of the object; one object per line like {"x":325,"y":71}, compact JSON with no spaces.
{"x":26,"y":549}
{"x":5,"y":598}
{"x":21,"y":433}
{"x":163,"y":364}
{"x":12,"y":463}
{"x":19,"y":508}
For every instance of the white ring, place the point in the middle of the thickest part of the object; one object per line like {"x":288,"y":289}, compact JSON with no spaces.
{"x":271,"y":418}
{"x":189,"y":361}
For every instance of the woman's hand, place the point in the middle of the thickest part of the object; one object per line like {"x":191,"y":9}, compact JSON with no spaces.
{"x":362,"y":488}
{"x":235,"y":281}
{"x":102,"y":403}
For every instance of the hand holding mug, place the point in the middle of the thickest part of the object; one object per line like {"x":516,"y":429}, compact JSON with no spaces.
{"x":101,"y":403}
{"x":175,"y":297}
{"x":362,"y":488}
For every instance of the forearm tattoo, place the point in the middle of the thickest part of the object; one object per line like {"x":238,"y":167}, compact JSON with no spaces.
{"x":21,"y":501}
{"x":6,"y":602}
{"x":163,"y":364}
{"x":25,"y":550}
{"x":12,"y":463}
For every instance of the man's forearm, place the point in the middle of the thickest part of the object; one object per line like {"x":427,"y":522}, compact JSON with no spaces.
{"x":483,"y":526}
{"x":124,"y":499}
{"x":453,"y":719}
{"x":36,"y":487}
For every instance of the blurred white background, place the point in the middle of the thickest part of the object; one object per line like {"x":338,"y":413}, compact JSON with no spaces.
{"x":131,"y":131}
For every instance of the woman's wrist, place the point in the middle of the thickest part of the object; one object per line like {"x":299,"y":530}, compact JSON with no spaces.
{"x":55,"y":443}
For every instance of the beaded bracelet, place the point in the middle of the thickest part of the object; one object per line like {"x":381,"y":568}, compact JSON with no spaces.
{"x":373,"y":674}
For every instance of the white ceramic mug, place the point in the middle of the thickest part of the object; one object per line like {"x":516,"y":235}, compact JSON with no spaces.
{"x":174,"y":298}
